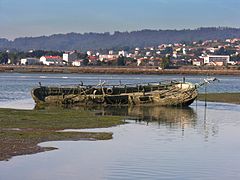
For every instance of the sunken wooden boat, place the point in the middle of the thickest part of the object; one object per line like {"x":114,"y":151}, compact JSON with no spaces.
{"x":165,"y":93}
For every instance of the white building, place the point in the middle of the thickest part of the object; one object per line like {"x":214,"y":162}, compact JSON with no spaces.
{"x":103,"y":57}
{"x":30,"y":61}
{"x":77,"y":63}
{"x":211,"y":49}
{"x":175,"y":54}
{"x":224,"y":59}
{"x":197,"y":62}
{"x":124,"y":53}
{"x":148,"y":53}
{"x":70,"y":56}
{"x":139,"y":61}
{"x":51,"y":60}
{"x":184,"y":51}
{"x":89,"y":53}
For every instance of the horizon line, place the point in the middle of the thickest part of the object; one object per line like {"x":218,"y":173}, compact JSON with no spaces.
{"x":127,"y":31}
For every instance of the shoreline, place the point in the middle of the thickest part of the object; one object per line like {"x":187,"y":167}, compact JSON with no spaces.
{"x":232,"y":98}
{"x":113,"y":70}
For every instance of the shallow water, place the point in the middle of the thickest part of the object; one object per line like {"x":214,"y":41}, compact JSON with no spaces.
{"x":157,"y":143}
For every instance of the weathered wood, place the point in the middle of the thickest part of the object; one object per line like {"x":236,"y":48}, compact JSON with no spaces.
{"x":169,"y":93}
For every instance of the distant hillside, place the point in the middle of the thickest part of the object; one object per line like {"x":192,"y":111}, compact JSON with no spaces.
{"x":143,"y":38}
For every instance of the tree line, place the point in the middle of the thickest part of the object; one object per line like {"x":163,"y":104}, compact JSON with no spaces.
{"x":143,"y":38}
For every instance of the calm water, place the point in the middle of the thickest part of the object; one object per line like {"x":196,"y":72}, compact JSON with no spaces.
{"x":157,"y":143}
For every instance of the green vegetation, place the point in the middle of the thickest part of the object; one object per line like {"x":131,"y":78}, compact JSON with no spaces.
{"x":3,"y":57}
{"x":16,"y":56}
{"x":221,"y":97}
{"x":165,"y":62}
{"x":121,"y":60}
{"x":57,"y":119}
{"x":122,"y":40}
{"x":22,"y":130}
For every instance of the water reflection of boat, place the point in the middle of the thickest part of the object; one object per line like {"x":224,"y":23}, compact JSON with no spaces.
{"x":164,"y":114}
{"x":154,"y":113}
{"x":158,"y":114}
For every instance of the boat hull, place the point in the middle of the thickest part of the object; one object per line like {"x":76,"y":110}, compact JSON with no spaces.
{"x":177,"y":94}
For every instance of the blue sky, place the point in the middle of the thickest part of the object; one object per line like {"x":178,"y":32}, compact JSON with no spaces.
{"x":20,"y":18}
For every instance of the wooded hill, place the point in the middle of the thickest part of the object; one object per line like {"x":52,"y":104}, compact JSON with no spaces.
{"x":94,"y":41}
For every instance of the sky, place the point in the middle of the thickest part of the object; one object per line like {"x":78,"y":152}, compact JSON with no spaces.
{"x":30,"y":18}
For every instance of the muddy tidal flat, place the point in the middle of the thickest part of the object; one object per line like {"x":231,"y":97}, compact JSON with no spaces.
{"x":22,"y":130}
{"x":221,"y":97}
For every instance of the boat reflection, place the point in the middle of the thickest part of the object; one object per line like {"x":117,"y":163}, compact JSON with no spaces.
{"x":149,"y":114}
{"x":169,"y":116}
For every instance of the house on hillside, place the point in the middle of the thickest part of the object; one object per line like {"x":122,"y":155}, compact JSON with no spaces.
{"x":30,"y":61}
{"x":77,"y":62}
{"x":71,"y":56}
{"x":108,"y":57}
{"x":52,"y":60}
{"x":217,"y":60}
{"x":197,"y":62}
